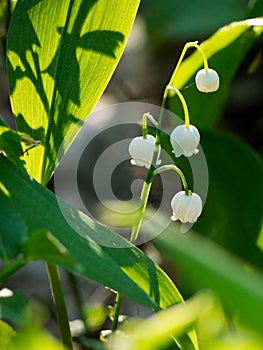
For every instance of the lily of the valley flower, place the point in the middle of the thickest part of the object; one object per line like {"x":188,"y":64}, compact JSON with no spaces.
{"x":186,"y":208}
{"x":184,"y":140}
{"x":207,"y":81}
{"x":141,"y":151}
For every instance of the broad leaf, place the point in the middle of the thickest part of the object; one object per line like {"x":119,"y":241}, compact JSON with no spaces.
{"x":61,"y":55}
{"x":124,"y":269}
{"x":205,"y":264}
{"x":225,"y":51}
{"x":233,"y":209}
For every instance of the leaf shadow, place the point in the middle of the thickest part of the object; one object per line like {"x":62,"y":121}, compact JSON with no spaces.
{"x":58,"y":111}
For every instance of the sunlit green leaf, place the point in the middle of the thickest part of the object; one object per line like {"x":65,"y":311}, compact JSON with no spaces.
{"x":155,"y":332}
{"x":34,"y":338}
{"x":124,"y":269}
{"x":6,"y":335}
{"x":205,"y":264}
{"x":61,"y":55}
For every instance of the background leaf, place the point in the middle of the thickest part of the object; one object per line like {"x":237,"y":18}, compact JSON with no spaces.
{"x":124,"y":269}
{"x":13,"y":308}
{"x":225,"y":51}
{"x":233,"y":210}
{"x":205,"y":264}
{"x":61,"y":56}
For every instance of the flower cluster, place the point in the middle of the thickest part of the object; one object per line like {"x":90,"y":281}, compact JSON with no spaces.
{"x":184,"y":139}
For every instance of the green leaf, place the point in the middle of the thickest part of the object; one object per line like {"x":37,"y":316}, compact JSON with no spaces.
{"x":13,"y":308}
{"x":232,"y":214}
{"x":34,"y":338}
{"x":13,"y":227}
{"x":40,"y":242}
{"x":206,"y":264}
{"x":10,"y":144}
{"x":225,"y":51}
{"x":124,"y":269}
{"x":181,"y":20}
{"x":155,"y":332}
{"x":6,"y":335}
{"x":61,"y":56}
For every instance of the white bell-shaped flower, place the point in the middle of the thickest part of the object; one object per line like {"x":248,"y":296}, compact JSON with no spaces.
{"x":186,"y":208}
{"x":184,"y":140}
{"x":141,"y":151}
{"x":207,"y":81}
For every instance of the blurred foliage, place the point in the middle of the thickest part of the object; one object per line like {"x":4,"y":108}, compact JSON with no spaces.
{"x":181,"y":21}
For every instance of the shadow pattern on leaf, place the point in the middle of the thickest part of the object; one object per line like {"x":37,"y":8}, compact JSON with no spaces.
{"x":57,"y":103}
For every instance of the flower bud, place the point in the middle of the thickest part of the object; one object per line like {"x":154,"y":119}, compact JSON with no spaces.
{"x":186,"y":208}
{"x":207,"y":81}
{"x":141,"y":151}
{"x":184,"y":140}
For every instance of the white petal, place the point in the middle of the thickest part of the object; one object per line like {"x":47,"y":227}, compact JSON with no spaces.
{"x":186,"y":208}
{"x":207,"y":81}
{"x":184,"y":140}
{"x":141,"y":151}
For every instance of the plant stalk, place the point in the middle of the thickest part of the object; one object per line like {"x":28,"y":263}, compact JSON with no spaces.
{"x":60,"y":305}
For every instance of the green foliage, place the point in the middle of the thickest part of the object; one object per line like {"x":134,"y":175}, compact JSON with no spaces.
{"x":6,"y":335}
{"x":61,"y":59}
{"x":124,"y":269}
{"x":206,"y":264}
{"x":235,"y":192}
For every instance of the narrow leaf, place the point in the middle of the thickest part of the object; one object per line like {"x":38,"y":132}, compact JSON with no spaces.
{"x":61,"y":55}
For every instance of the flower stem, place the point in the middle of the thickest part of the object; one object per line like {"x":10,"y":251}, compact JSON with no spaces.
{"x":181,"y":97}
{"x":186,"y":47}
{"x":60,"y":305}
{"x":117,"y":311}
{"x":144,"y":123}
{"x":179,"y":172}
{"x":140,"y":211}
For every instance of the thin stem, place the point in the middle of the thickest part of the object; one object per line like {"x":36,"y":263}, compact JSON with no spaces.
{"x":60,"y":305}
{"x":165,"y":95}
{"x":144,"y":126}
{"x":140,"y":211}
{"x":186,"y":47}
{"x":74,"y":287}
{"x":144,"y":123}
{"x":181,"y":97}
{"x":179,"y":172}
{"x":117,"y":311}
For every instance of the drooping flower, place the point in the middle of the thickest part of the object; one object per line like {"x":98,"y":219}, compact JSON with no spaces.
{"x":186,"y":208}
{"x":184,"y":140}
{"x":141,"y":151}
{"x":207,"y":81}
